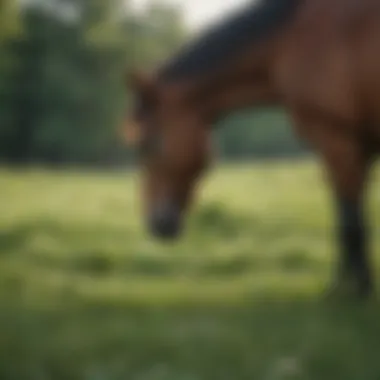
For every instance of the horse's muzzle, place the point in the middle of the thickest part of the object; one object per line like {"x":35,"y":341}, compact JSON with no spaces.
{"x":165,"y":221}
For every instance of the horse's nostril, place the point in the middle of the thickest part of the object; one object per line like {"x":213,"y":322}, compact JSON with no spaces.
{"x":165,"y":222}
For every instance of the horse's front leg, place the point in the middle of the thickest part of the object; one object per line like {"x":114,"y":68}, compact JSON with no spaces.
{"x":347,"y":165}
{"x":353,"y":270}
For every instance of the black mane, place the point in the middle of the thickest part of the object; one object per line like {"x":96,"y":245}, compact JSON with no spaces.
{"x":228,"y":38}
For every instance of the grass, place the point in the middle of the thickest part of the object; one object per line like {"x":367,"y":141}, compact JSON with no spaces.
{"x":85,"y":294}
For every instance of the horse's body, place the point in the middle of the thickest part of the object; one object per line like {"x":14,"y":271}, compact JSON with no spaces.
{"x":319,"y":59}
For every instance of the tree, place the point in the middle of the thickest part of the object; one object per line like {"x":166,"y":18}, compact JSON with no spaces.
{"x":65,"y":98}
{"x":10,"y":28}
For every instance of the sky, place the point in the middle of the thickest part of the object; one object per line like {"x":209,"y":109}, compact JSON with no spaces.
{"x":198,"y":13}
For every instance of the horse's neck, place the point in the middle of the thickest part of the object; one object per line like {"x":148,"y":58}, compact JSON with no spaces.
{"x":236,"y":98}
{"x":245,"y":84}
{"x":242,"y":81}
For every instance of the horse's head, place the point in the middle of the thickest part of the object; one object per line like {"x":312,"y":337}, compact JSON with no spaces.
{"x":229,"y":67}
{"x":174,"y":146}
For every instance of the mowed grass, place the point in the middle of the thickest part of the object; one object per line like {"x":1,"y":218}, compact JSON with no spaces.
{"x":86,"y":294}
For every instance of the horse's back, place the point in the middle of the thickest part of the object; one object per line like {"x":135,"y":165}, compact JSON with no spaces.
{"x":333,"y":58}
{"x":366,"y":57}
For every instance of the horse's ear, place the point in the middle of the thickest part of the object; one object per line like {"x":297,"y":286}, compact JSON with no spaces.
{"x":131,"y":133}
{"x":141,"y":82}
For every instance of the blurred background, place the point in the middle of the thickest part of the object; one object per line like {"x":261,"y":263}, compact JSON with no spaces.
{"x":84,"y":292}
{"x":62,"y":79}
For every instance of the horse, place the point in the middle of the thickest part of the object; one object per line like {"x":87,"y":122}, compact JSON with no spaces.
{"x":317,"y":59}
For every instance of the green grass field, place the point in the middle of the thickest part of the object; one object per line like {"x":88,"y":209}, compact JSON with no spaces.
{"x":86,"y":295}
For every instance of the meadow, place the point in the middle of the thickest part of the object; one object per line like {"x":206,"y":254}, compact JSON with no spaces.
{"x":85,"y":294}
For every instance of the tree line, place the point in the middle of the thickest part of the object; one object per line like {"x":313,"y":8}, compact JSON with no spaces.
{"x":62,"y":82}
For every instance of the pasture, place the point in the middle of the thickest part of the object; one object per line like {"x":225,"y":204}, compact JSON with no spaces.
{"x":86,"y":295}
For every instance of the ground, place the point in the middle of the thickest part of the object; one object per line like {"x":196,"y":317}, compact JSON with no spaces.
{"x":86,"y":295}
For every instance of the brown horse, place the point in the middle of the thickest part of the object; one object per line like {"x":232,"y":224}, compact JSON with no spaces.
{"x":318,"y":59}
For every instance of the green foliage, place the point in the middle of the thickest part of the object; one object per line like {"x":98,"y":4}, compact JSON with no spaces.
{"x":9,"y":19}
{"x":64,"y":95}
{"x":62,"y":82}
{"x":10,"y":29}
{"x":258,"y":134}
{"x":86,"y":295}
